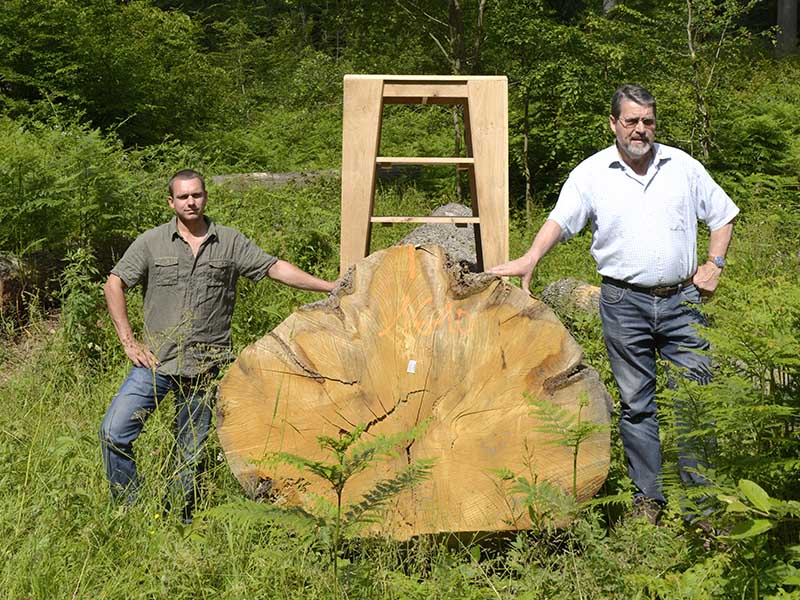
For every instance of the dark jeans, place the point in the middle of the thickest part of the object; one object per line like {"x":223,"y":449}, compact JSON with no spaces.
{"x":137,"y":398}
{"x":636,"y":326}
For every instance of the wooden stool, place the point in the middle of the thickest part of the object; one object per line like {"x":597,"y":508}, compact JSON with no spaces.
{"x":485,"y":101}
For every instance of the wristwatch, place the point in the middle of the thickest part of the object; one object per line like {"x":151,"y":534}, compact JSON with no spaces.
{"x":719,"y":261}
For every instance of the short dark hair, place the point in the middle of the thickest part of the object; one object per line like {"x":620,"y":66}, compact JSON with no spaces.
{"x":634,"y":93}
{"x":186,"y":174}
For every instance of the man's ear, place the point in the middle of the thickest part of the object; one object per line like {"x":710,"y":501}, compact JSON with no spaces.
{"x":611,"y":123}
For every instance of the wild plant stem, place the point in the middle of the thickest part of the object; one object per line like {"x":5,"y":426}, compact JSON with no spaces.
{"x":335,"y":549}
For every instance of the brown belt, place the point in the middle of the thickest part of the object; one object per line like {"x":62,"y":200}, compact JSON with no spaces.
{"x":661,"y":292}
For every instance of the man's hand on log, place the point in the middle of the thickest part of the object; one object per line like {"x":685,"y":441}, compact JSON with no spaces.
{"x":521,"y":267}
{"x":548,"y":236}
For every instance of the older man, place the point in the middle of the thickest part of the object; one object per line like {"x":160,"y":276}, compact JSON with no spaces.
{"x":643,"y":200}
{"x":188,"y":268}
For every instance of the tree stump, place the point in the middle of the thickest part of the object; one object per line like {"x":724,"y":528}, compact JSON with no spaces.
{"x":11,"y":288}
{"x":409,"y":336}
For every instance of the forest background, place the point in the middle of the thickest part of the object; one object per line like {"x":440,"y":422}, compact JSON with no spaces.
{"x":102,"y":100}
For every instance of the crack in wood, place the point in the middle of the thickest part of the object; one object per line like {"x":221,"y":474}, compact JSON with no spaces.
{"x":316,"y":376}
{"x":377,"y":420}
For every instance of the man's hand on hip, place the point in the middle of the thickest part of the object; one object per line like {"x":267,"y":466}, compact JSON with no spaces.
{"x":139,"y":354}
{"x":707,"y":278}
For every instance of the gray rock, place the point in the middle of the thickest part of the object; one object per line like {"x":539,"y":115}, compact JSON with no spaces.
{"x":457,"y":240}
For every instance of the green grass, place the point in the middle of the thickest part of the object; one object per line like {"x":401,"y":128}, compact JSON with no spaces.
{"x":63,"y":538}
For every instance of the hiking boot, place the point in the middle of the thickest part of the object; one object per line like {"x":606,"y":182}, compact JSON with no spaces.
{"x":646,"y":509}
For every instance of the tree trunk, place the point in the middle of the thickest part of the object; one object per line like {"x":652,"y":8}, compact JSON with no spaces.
{"x":787,"y":27}
{"x":608,"y":5}
{"x":408,"y":336}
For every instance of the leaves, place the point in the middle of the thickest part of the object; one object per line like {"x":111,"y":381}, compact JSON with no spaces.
{"x":750,"y":528}
{"x":755,"y":495}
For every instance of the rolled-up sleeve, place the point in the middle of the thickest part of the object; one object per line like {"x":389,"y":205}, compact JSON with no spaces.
{"x":132,"y":267}
{"x":252,"y":261}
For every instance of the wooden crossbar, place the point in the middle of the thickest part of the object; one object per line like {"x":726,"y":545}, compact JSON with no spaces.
{"x":428,"y":219}
{"x":388,"y":161}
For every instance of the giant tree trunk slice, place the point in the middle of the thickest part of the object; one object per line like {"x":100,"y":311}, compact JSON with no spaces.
{"x":409,"y":336}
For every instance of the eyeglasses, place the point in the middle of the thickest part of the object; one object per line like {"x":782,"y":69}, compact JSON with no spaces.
{"x":631,"y":122}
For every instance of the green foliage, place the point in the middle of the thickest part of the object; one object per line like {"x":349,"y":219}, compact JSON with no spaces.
{"x":762,"y":512}
{"x":754,"y":401}
{"x":277,"y":140}
{"x":81,"y":304}
{"x":751,"y":411}
{"x":547,"y":505}
{"x":128,"y":66}
{"x":328,"y":524}
{"x":68,"y":185}
{"x":754,"y":513}
{"x":57,"y":185}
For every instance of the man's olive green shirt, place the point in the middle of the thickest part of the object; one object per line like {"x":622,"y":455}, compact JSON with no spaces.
{"x":189,"y":300}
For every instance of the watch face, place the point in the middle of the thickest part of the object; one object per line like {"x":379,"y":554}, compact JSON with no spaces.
{"x":719,"y":261}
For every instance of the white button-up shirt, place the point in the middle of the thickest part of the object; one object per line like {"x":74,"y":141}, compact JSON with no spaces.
{"x":644,"y":228}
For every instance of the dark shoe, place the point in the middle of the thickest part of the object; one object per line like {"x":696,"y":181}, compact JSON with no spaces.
{"x":711,"y":535}
{"x":187,"y":512}
{"x":646,"y":509}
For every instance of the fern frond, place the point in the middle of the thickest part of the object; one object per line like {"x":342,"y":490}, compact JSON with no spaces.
{"x":369,"y":508}
{"x":621,"y":499}
{"x":294,"y":518}
{"x":556,"y":420}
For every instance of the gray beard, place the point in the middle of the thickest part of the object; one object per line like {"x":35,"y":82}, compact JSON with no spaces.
{"x":637,"y":151}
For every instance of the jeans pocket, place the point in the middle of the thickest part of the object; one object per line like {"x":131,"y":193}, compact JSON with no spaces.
{"x":611,"y":294}
{"x":691,"y":294}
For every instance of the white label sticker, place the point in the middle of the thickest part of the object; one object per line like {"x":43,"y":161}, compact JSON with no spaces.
{"x":412,"y":366}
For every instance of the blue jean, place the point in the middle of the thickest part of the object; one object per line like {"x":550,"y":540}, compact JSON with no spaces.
{"x":637,"y":326}
{"x":137,"y":398}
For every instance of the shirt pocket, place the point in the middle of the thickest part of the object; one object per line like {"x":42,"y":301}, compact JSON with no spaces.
{"x":166,"y":270}
{"x":219,"y":273}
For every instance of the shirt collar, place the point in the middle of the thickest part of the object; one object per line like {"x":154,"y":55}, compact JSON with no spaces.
{"x":173,"y":228}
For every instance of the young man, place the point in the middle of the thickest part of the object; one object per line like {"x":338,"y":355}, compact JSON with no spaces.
{"x":188,"y":268}
{"x":643,"y":200}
